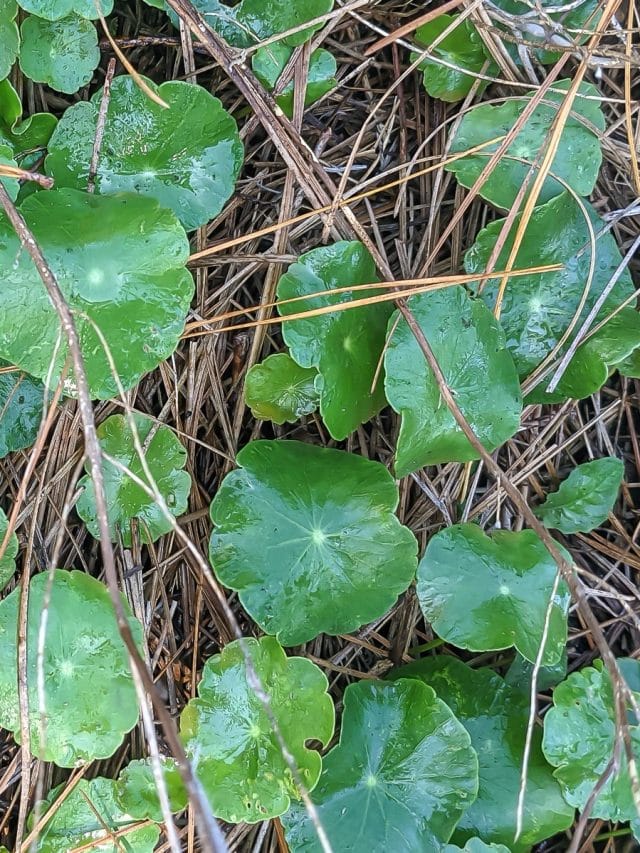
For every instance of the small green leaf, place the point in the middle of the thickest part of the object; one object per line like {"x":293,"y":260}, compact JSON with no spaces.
{"x":21,"y":408}
{"x":483,"y":593}
{"x":630,"y":365}
{"x":90,"y":698}
{"x":585,"y":498}
{"x":399,"y":780}
{"x":137,"y":293}
{"x":27,"y":138}
{"x":8,"y":558}
{"x":476,"y":845}
{"x":519,"y":674}
{"x":495,"y":715}
{"x":63,"y":54}
{"x":463,"y":48}
{"x":186,"y":157}
{"x":579,"y":735}
{"x":9,"y":36}
{"x":269,"y":62}
{"x":308,"y":538}
{"x":137,"y":794}
{"x":281,"y":391}
{"x":344,"y":345}
{"x":470,"y":348}
{"x":53,"y":10}
{"x":230,"y":738}
{"x":126,"y":500}
{"x":577,"y":161}
{"x":89,"y":813}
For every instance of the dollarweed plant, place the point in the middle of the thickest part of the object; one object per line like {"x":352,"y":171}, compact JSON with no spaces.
{"x":363,"y":673}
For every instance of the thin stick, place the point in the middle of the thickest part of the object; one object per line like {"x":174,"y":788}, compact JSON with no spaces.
{"x":100,"y":126}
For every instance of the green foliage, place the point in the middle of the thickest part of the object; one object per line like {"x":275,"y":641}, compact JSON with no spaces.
{"x":63,"y":54}
{"x":6,"y":159}
{"x":585,"y":498}
{"x":53,"y":10}
{"x":137,"y":794}
{"x":8,"y":558}
{"x":482,"y":592}
{"x":281,"y":391}
{"x":186,"y":157}
{"x":21,"y":406}
{"x":308,"y":538}
{"x":269,"y":62}
{"x":475,"y":845}
{"x":231,"y":739}
{"x":90,"y":699}
{"x":126,"y":500}
{"x":401,"y":777}
{"x":26,"y":138}
{"x":344,"y":345}
{"x":9,"y":36}
{"x":468,"y":343}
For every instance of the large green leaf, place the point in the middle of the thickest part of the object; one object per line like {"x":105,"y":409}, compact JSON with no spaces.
{"x":8,"y":558}
{"x":309,"y":539}
{"x":577,"y":161}
{"x":400,"y":778}
{"x":63,"y":54}
{"x":483,"y":593}
{"x":579,"y":735}
{"x":279,"y":390}
{"x":91,"y":812}
{"x":495,"y":715}
{"x":585,"y":498}
{"x":9,"y":36}
{"x":90,"y":698}
{"x":120,"y":264}
{"x":230,"y":737}
{"x":126,"y":500}
{"x":538,"y":308}
{"x":21,"y":407}
{"x":344,"y":345}
{"x":269,"y":62}
{"x":53,"y":10}
{"x":470,"y":349}
{"x":187,"y":157}
{"x":137,"y":794}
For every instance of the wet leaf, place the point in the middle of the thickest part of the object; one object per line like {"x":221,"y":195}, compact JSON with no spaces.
{"x":9,"y":36}
{"x":577,"y":161}
{"x":138,"y":296}
{"x":400,"y":778}
{"x":21,"y":407}
{"x":137,"y":794}
{"x":484,"y":593}
{"x":63,"y":54}
{"x":269,"y":62}
{"x":53,"y":10}
{"x":345,"y":346}
{"x":90,"y":699}
{"x":470,"y":348}
{"x":495,"y":715}
{"x":230,"y":738}
{"x":308,"y":538}
{"x":186,"y":157}
{"x":8,"y":558}
{"x":126,"y":500}
{"x":585,"y":498}
{"x":281,"y":391}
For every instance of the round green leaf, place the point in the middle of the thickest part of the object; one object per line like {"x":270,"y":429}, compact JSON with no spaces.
{"x":21,"y":408}
{"x":496,"y":715}
{"x":579,"y":735}
{"x":186,"y":157}
{"x":484,"y":593}
{"x":470,"y":348}
{"x":63,"y":54}
{"x":89,"y":813}
{"x":230,"y":738}
{"x":90,"y":698}
{"x":400,"y":778}
{"x":345,"y":345}
{"x":9,"y":36}
{"x":269,"y":62}
{"x":281,"y":391}
{"x":119,"y":261}
{"x":53,"y":10}
{"x":585,"y":498}
{"x":308,"y":538}
{"x":137,"y":794}
{"x":475,"y":845}
{"x":126,"y":500}
{"x":577,"y":161}
{"x":8,"y":559}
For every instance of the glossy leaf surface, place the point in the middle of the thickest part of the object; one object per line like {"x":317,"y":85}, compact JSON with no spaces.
{"x":309,"y":539}
{"x":229,"y":737}
{"x":28,"y":137}
{"x":137,"y":795}
{"x":9,"y":36}
{"x":475,"y":845}
{"x":269,"y":62}
{"x":53,"y":10}
{"x":21,"y":407}
{"x":8,"y":558}
{"x":279,"y":390}
{"x":63,"y":54}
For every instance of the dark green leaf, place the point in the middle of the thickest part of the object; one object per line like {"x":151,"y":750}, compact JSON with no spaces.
{"x":21,"y":407}
{"x":269,"y":62}
{"x":519,"y":674}
{"x":137,"y":794}
{"x":63,"y":54}
{"x":9,"y":36}
{"x":8,"y":558}
{"x":281,"y":391}
{"x":53,"y":10}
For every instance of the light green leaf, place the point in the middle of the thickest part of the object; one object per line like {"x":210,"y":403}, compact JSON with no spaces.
{"x":21,"y":407}
{"x":230,"y":738}
{"x":6,"y":159}
{"x":475,"y":845}
{"x":344,"y":345}
{"x":137,"y":295}
{"x":577,"y":161}
{"x":579,"y":735}
{"x":495,"y":715}
{"x":27,"y":138}
{"x":53,"y":10}
{"x":89,"y":813}
{"x":90,"y":698}
{"x":269,"y":62}
{"x":63,"y":54}
{"x":137,"y":794}
{"x":484,"y":593}
{"x":585,"y":498}
{"x":8,"y":558}
{"x":308,"y":538}
{"x":9,"y":36}
{"x":126,"y":500}
{"x":186,"y":157}
{"x":281,"y":391}
{"x":470,"y":348}
{"x":400,"y":778}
